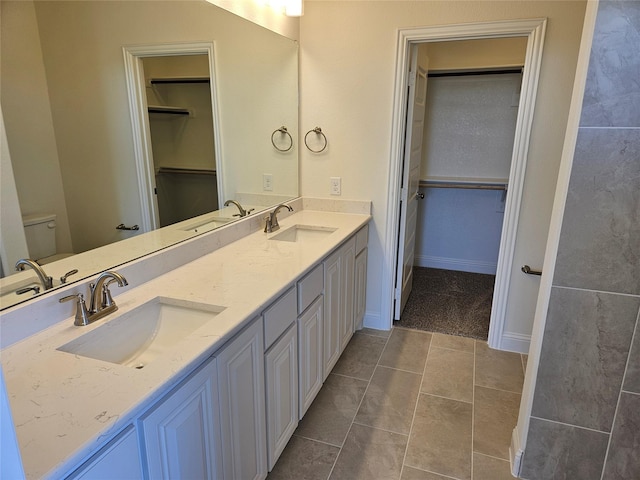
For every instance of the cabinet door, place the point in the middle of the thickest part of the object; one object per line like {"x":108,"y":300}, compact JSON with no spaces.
{"x":348,"y":258}
{"x":332,"y":302}
{"x":360,"y":290}
{"x":180,"y":434}
{"x":281,"y":379}
{"x":120,"y":458}
{"x":242,"y":398}
{"x":310,"y":354}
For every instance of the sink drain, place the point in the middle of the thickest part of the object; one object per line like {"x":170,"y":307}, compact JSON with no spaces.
{"x":139,"y":366}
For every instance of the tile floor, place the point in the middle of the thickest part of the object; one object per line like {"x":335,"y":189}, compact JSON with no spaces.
{"x":410,"y":405}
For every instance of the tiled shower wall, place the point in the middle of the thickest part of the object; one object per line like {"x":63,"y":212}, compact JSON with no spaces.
{"x":585,"y":421}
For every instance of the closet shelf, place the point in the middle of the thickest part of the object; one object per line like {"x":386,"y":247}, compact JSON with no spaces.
{"x":168,"y":110}
{"x":185,"y":171}
{"x":161,"y":80}
{"x":465,"y":183}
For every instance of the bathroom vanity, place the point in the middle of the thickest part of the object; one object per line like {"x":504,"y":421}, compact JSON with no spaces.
{"x":264,"y":320}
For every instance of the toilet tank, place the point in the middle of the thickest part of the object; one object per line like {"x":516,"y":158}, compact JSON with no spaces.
{"x":40,"y":230}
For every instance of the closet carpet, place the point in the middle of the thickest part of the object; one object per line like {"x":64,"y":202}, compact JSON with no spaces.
{"x":449,"y":302}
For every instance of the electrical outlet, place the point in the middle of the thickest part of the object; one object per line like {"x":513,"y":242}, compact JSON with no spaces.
{"x":336,"y":185}
{"x":267,"y":182}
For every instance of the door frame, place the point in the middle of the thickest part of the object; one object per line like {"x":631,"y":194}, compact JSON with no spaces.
{"x":137,"y":95}
{"x":534,"y":30}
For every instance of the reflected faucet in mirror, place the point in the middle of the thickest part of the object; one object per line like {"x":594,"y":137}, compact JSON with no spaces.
{"x":243,"y":212}
{"x":47,"y":281}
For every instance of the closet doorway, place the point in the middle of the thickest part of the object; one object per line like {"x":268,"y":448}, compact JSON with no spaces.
{"x":172,"y":96}
{"x":502,"y":178}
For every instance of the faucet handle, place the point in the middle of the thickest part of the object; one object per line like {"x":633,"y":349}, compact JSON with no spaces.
{"x":82,"y":314}
{"x":63,"y":279}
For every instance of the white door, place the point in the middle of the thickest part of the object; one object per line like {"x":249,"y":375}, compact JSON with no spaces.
{"x":410,"y":181}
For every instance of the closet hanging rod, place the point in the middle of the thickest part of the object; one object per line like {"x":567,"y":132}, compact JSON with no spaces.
{"x":185,"y":171}
{"x":462,"y":185}
{"x":160,"y":80}
{"x":466,"y":73}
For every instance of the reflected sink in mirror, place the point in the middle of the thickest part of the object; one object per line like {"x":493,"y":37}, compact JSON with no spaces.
{"x":207,"y":225}
{"x":303,"y":233}
{"x":9,"y":288}
{"x":139,"y":336}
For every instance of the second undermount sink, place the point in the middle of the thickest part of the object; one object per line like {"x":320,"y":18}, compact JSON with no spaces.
{"x":303,"y":233}
{"x":139,"y":336}
{"x":208,"y":225}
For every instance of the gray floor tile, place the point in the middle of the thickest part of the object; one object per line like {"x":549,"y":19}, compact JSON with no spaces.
{"x":370,"y":453}
{"x":305,"y":459}
{"x":390,"y":400}
{"x":489,"y":468}
{"x":453,"y":342}
{"x":406,"y":350}
{"x":331,"y":413}
{"x":623,"y":460}
{"x":410,"y":473}
{"x":495,"y":417}
{"x":449,"y":373}
{"x":498,"y":369}
{"x":360,"y":357}
{"x":440,"y":440}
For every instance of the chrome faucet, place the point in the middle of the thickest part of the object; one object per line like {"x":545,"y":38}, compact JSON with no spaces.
{"x":101,"y":300}
{"x":271,"y":221}
{"x":47,"y":281}
{"x":243,"y":212}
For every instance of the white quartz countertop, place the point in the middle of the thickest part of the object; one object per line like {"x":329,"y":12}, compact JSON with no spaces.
{"x":65,"y":406}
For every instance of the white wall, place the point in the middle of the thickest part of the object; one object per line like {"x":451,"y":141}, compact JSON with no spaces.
{"x":347,"y":67}
{"x":29,"y":123}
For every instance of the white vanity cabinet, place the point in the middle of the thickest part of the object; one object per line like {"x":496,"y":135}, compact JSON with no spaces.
{"x":281,"y":373}
{"x":338,"y":302}
{"x":360,"y":286}
{"x":241,"y":393}
{"x":120,"y":458}
{"x":310,"y":337}
{"x":181,"y":435}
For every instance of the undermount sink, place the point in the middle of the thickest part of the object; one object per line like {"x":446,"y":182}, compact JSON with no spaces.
{"x":137,"y":337}
{"x":208,"y":225}
{"x":303,"y":233}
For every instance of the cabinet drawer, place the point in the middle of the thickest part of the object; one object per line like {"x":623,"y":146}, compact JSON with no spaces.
{"x":279,"y":316}
{"x":362,"y":238}
{"x":310,"y":287}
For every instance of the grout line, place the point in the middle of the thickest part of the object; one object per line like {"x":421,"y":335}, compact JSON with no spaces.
{"x":361,"y":400}
{"x":316,"y":440}
{"x":499,"y":389}
{"x":630,"y":393}
{"x":453,"y":349}
{"x":446,"y":398}
{"x":379,"y":428}
{"x":491,"y":456}
{"x":415,"y":408}
{"x":435,"y":473}
{"x":398,"y":369}
{"x":624,"y":376}
{"x":634,"y":295}
{"x":351,"y":377}
{"x":473,"y":405}
{"x":570,"y":425}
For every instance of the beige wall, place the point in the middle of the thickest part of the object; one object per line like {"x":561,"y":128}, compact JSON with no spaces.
{"x":480,"y":53}
{"x":28,"y":123}
{"x":347,"y":62}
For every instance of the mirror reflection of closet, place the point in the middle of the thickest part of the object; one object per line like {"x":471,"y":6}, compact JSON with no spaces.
{"x":181,"y":129}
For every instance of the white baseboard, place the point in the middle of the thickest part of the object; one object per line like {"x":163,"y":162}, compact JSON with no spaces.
{"x":460,"y":264}
{"x":375,"y":321}
{"x":515,"y":454}
{"x":515,"y":342}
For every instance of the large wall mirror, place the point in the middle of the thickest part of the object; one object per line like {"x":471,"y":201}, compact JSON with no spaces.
{"x":75,"y":146}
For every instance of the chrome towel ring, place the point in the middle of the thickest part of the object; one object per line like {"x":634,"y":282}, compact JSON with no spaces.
{"x":317,"y":131}
{"x":283,"y":131}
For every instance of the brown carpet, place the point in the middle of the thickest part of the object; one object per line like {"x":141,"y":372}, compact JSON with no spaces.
{"x":451,"y":302}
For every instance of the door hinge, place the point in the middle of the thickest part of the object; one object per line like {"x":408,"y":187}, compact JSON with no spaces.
{"x":155,"y":190}
{"x":412,"y":79}
{"x":397,"y":294}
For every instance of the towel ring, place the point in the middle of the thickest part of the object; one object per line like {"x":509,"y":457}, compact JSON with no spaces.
{"x":317,"y":131}
{"x":282,"y":130}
